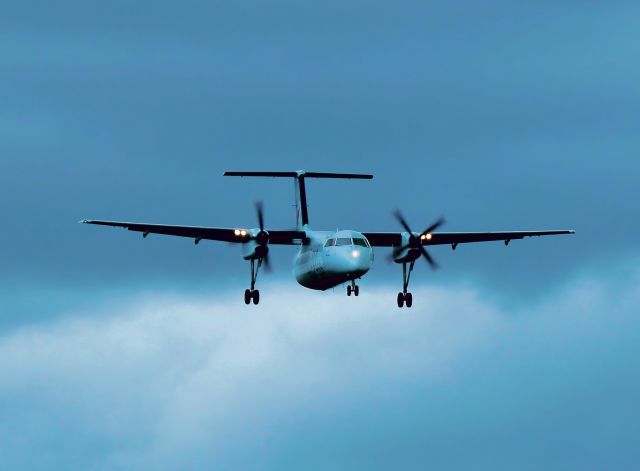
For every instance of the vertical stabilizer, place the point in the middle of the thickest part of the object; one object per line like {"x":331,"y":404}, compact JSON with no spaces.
{"x":302,"y":212}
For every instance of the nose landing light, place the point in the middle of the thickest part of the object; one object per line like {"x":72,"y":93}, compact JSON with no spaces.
{"x":355,"y":253}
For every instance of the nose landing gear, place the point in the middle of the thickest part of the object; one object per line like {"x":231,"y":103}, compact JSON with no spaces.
{"x":404,"y":297}
{"x":353,"y":288}
{"x":253,"y":294}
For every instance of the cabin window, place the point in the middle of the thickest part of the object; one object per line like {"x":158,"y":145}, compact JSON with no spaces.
{"x":330,"y":243}
{"x":344,"y":241}
{"x":360,"y":242}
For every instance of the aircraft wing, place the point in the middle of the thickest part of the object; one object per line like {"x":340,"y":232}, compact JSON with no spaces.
{"x":388,"y":239}
{"x":204,"y":233}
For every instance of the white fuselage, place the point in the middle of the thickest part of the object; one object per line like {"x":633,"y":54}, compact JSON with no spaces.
{"x":330,"y":259}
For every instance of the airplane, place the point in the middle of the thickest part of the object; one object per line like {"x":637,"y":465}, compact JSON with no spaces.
{"x":326,"y":259}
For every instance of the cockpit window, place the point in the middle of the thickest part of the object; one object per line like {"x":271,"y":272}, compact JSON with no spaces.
{"x":330,"y":243}
{"x":360,"y":242}
{"x":344,"y":241}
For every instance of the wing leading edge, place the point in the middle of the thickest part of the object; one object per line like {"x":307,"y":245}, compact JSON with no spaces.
{"x":203,"y":233}
{"x":376,"y":239}
{"x":389,"y":239}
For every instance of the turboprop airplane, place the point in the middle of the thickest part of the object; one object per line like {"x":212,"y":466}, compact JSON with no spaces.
{"x":326,"y":259}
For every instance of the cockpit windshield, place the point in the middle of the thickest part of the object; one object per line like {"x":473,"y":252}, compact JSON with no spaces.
{"x":360,"y":242}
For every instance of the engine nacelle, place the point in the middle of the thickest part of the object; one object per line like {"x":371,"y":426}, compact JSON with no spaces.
{"x":407,"y":251}
{"x":257,"y":246}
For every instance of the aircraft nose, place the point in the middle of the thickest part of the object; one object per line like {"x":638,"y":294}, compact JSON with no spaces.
{"x":356,"y":259}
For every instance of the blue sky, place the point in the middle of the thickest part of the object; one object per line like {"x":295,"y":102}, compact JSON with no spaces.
{"x":495,"y":114}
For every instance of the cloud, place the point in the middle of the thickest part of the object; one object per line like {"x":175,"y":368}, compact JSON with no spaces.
{"x":320,"y":381}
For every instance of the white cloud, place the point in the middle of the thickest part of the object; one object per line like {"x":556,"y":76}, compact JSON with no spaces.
{"x":177,"y":382}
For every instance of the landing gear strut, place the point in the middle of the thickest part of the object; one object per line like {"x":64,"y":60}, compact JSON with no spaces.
{"x":405,"y":298}
{"x":252,"y":294}
{"x":353,"y":288}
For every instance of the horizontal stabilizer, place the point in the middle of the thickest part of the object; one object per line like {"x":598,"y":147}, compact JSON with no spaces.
{"x":261,"y":174}
{"x":300,"y":174}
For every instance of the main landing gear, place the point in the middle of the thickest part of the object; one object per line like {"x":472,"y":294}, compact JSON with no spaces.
{"x":252,"y":294}
{"x":405,"y":298}
{"x":353,"y":288}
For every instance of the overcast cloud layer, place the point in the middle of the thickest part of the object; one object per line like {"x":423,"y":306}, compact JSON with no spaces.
{"x":458,"y":383}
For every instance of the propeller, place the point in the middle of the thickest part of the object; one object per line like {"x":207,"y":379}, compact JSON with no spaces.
{"x":416,"y":241}
{"x":260,"y":211}
{"x":262,"y":237}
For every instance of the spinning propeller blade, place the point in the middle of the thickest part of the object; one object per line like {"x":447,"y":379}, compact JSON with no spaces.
{"x":434,"y":265}
{"x":260,"y":214}
{"x":402,"y":221}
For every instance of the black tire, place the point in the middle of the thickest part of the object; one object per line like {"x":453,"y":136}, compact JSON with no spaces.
{"x":409,"y":299}
{"x":356,"y":290}
{"x":349,"y":290}
{"x":247,"y":296}
{"x":256,"y":297}
{"x":400,"y":299}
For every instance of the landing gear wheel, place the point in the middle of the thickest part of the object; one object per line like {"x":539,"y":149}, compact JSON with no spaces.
{"x":400,"y":299}
{"x":408,"y":298}
{"x":256,"y":296}
{"x":356,"y":290}
{"x":349,"y":290}
{"x":247,"y":296}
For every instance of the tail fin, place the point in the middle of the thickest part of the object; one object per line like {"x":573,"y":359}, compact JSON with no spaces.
{"x":302,"y":214}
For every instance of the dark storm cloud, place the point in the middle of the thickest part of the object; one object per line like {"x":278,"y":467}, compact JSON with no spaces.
{"x":499,"y":116}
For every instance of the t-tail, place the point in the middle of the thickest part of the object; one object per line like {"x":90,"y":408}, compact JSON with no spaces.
{"x":302,"y":212}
